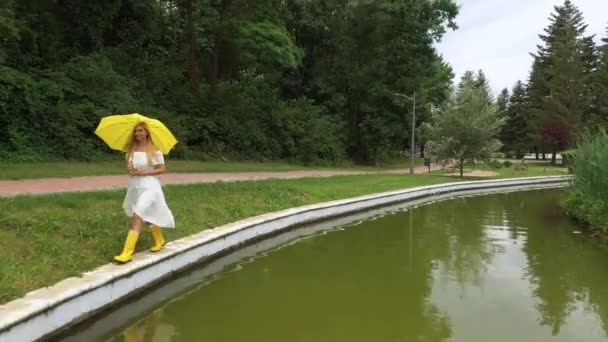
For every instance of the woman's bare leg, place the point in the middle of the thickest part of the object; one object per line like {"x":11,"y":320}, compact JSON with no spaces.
{"x":136,"y":223}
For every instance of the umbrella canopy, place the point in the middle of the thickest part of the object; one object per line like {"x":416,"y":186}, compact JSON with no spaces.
{"x":117,"y":131}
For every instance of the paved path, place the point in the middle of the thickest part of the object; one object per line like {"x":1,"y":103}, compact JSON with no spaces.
{"x":10,"y":188}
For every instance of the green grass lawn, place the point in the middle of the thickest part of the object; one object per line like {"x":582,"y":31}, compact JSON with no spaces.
{"x":76,"y":169}
{"x":44,"y":239}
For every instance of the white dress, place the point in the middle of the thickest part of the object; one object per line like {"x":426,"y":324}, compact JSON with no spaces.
{"x":145,"y":195}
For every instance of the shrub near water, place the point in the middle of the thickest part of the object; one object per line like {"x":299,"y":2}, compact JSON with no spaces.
{"x":588,"y":197}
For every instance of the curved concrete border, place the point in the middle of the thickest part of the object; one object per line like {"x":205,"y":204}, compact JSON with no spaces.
{"x":45,"y":311}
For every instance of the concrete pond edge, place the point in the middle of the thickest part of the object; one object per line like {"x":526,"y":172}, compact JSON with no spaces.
{"x":46,"y":311}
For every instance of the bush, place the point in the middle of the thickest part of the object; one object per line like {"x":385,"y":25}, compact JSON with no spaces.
{"x":48,"y":116}
{"x":590,"y":163}
{"x":250,"y":121}
{"x":588,"y":196}
{"x":507,"y":163}
{"x":568,"y":157}
{"x":495,"y":164}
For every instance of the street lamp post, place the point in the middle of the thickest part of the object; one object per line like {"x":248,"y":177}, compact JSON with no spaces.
{"x":413,"y":143}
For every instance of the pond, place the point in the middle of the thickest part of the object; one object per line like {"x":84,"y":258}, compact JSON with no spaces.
{"x":502,"y":267}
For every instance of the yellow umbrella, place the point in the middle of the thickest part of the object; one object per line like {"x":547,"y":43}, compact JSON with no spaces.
{"x":117,"y":130}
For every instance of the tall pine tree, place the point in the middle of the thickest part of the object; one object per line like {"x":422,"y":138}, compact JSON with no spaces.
{"x":502,"y":102}
{"x":536,"y":90}
{"x":600,"y":83}
{"x":561,"y":92}
{"x":514,"y":134}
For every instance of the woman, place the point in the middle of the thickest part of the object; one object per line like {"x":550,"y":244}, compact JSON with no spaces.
{"x":145,"y":201}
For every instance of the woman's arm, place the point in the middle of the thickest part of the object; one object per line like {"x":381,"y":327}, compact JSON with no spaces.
{"x":130,"y":167}
{"x":158,"y":169}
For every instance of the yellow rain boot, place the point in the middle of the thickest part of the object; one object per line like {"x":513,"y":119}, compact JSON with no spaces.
{"x":159,"y":240}
{"x":127,"y":252}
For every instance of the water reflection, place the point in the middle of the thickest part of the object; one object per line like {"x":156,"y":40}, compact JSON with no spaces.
{"x":150,"y":329}
{"x":457,"y":238}
{"x":564,"y":269}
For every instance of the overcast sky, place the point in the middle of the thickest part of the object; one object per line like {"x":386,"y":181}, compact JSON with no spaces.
{"x":498,"y":35}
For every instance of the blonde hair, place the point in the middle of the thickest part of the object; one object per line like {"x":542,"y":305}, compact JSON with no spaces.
{"x":150,"y":147}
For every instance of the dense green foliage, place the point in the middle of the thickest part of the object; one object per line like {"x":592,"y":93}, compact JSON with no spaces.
{"x":588,"y":197}
{"x":304,"y":80}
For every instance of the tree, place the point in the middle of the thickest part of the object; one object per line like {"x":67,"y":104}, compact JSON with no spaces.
{"x":250,"y":35}
{"x":561,"y":92}
{"x":193,"y":61}
{"x":9,"y":32}
{"x":568,"y":104}
{"x":502,"y":102}
{"x":600,"y":83}
{"x":482,"y":83}
{"x":357,"y":83}
{"x":514,"y":134}
{"x":536,"y":92}
{"x":467,"y":127}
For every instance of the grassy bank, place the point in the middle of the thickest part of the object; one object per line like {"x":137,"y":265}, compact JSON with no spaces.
{"x":44,"y":239}
{"x":592,"y":213}
{"x":116,"y":167}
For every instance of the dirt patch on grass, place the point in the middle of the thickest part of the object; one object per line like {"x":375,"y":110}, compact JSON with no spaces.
{"x":474,"y":173}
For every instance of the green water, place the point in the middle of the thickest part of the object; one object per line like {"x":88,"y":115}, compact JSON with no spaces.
{"x":506,"y":267}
